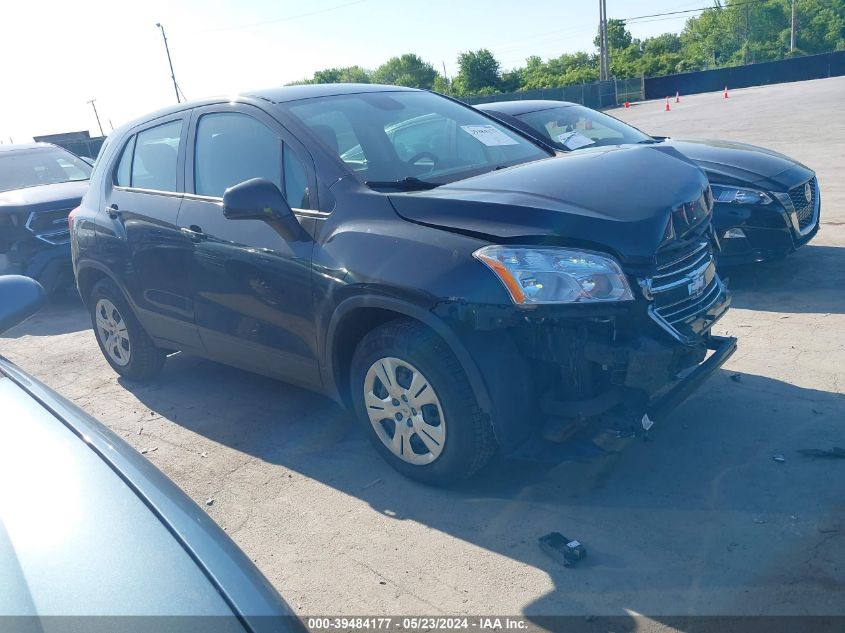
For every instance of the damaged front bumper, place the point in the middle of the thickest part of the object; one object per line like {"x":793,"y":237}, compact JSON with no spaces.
{"x":662,"y":404}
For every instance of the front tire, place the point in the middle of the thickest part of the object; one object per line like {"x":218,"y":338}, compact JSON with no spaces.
{"x":417,"y":405}
{"x":124,"y":343}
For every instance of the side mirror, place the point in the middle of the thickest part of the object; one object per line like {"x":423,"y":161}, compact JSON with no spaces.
{"x":260,"y":199}
{"x":20,"y":298}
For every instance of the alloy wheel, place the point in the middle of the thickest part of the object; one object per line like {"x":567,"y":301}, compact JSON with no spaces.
{"x":112,"y":332}
{"x":405,"y":411}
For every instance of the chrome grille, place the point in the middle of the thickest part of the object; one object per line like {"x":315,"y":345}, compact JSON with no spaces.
{"x":686,"y":294}
{"x":50,"y":226}
{"x":804,"y":209}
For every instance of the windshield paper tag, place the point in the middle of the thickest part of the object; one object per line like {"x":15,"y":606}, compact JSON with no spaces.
{"x":574,"y":140}
{"x":489,"y":135}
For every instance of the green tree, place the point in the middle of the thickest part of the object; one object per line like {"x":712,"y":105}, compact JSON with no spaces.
{"x":478,"y":73}
{"x":407,"y":70}
{"x":346,"y":75}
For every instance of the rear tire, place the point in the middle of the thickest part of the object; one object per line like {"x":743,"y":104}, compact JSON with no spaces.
{"x":124,"y":343}
{"x":406,"y":380}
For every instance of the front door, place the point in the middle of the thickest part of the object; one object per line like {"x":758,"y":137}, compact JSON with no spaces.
{"x":252,"y":288}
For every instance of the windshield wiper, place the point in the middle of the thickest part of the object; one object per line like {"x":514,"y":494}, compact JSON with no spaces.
{"x":409,"y":183}
{"x":648,"y":141}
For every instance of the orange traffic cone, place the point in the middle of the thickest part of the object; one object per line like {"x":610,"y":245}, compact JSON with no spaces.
{"x":726,"y":92}
{"x":627,"y":104}
{"x":677,"y":97}
{"x":667,"y":108}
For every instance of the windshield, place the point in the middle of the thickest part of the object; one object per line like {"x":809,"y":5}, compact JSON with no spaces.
{"x":407,"y":136}
{"x":42,"y":166}
{"x":573,"y":127}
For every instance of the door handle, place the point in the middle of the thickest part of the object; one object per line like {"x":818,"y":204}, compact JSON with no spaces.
{"x":194,"y":233}
{"x":113,"y":211}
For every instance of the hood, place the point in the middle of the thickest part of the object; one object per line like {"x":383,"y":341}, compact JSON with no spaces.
{"x":42,"y":197}
{"x":618,"y":199}
{"x":739,"y":163}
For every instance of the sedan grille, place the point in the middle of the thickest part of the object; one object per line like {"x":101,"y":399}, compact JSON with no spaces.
{"x":50,"y":226}
{"x":686,"y":294}
{"x":804,"y":207}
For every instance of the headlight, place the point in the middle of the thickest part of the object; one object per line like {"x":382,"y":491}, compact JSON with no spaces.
{"x":739,"y":195}
{"x":556,"y":275}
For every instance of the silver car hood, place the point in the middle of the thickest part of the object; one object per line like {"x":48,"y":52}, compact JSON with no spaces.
{"x":75,"y":539}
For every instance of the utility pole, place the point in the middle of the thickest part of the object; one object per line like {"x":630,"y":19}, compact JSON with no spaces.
{"x":93,"y":105}
{"x":747,"y":35}
{"x":446,"y":77}
{"x":604,"y":68}
{"x":169,"y":61}
{"x":792,"y":30}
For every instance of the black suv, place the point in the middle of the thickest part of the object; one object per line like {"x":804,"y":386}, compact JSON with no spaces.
{"x":459,"y":286}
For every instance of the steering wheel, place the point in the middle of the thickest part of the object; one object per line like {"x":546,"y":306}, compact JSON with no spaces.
{"x":418,"y":157}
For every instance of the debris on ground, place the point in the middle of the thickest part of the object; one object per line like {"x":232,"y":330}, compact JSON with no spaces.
{"x":372,"y":483}
{"x":563,"y":550}
{"x":837,"y":452}
{"x":736,"y":377}
{"x":817,"y":412}
{"x":209,"y":502}
{"x":780,"y":459}
{"x":647,"y":422}
{"x":144,"y":451}
{"x":203,"y":454}
{"x":139,"y":430}
{"x":759,"y":521}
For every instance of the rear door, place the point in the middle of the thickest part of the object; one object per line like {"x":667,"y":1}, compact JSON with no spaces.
{"x":142,"y":243}
{"x":252,"y":288}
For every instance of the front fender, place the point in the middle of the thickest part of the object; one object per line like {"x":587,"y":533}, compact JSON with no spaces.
{"x":400,"y":307}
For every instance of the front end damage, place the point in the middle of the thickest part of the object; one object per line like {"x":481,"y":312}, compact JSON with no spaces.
{"x":555,"y":369}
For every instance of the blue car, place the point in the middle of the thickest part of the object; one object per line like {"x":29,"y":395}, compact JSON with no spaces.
{"x":40,"y":184}
{"x":88,"y":527}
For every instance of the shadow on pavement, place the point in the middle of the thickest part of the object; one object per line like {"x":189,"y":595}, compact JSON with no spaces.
{"x":63,"y":314}
{"x":809,"y":280}
{"x":705,"y":508}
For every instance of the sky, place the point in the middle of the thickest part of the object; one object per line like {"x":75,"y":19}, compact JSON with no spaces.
{"x":58,"y":55}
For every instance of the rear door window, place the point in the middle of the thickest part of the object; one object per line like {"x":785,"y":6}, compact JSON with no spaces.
{"x":155,"y":157}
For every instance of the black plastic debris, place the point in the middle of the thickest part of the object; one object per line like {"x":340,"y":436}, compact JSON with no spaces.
{"x":836,"y":452}
{"x":563,"y":550}
{"x":736,"y":377}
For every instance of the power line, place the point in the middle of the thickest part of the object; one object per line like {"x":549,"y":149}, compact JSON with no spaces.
{"x":726,"y":6}
{"x":284,"y":19}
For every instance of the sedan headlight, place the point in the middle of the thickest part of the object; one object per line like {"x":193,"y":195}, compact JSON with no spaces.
{"x":556,"y":275}
{"x":739,"y":195}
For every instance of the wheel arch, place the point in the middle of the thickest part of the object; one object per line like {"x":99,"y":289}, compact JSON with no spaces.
{"x":356,"y":316}
{"x":88,"y":273}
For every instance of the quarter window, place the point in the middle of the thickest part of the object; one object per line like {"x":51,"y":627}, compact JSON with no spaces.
{"x":231,"y":148}
{"x":155,"y":156}
{"x":296,"y":180}
{"x":123,"y":175}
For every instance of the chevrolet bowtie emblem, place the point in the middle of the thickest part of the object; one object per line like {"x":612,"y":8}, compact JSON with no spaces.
{"x":696,"y":286}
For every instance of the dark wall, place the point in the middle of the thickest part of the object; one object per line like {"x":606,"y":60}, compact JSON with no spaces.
{"x":88,"y":148}
{"x":785,"y":70}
